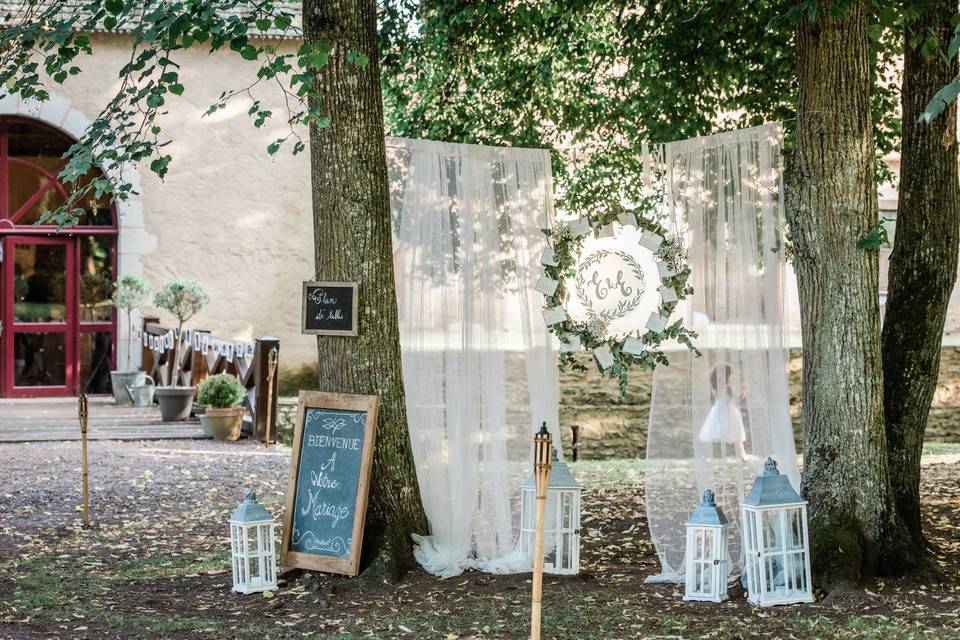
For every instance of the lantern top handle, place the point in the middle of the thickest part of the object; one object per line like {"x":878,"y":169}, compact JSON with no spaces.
{"x":709,"y":498}
{"x":250,"y":495}
{"x":770,"y":468}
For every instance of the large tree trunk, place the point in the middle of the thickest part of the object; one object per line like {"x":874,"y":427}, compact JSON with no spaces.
{"x":351,"y":212}
{"x":923,"y":266}
{"x":831,"y":203}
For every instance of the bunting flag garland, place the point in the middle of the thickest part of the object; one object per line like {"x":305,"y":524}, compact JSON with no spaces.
{"x":200,"y":341}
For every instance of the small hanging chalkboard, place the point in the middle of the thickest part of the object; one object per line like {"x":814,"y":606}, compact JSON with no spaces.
{"x":330,"y":308}
{"x":326,"y":500}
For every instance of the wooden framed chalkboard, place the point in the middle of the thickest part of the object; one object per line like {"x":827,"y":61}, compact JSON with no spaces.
{"x":330,"y":308}
{"x":326,"y":500}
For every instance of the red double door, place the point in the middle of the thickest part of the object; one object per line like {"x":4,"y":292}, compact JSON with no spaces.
{"x":52,"y":342}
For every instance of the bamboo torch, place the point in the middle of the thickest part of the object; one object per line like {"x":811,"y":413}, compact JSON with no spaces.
{"x":271,"y":372}
{"x":542,"y":446}
{"x":83,"y":441}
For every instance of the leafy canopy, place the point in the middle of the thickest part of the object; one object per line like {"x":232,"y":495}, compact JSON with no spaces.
{"x":595,"y":79}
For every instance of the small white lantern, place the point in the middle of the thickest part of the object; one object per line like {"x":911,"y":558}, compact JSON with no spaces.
{"x":706,"y":558}
{"x":252,"y":547}
{"x":562,"y":523}
{"x":775,"y":542}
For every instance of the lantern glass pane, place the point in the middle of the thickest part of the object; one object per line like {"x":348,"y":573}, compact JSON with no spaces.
{"x":795,"y":529}
{"x":550,"y":519}
{"x":528,"y":508}
{"x":707,"y":544}
{"x":567,"y":550}
{"x":774,"y":573}
{"x":772,"y":540}
{"x":249,"y":540}
{"x":566,"y":517}
{"x":253,"y":569}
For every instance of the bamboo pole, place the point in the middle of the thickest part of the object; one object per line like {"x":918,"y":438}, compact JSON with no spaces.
{"x":542,"y":442}
{"x":83,"y":439}
{"x":271,"y":371}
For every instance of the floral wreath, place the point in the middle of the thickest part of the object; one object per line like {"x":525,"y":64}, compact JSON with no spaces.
{"x":614,"y":354}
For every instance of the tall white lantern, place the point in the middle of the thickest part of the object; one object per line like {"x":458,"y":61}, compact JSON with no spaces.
{"x":252,"y":547}
{"x":707,"y":563}
{"x":561,"y":525}
{"x":775,"y":541}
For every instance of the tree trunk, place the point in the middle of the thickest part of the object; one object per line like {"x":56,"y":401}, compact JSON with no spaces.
{"x":351,"y":214}
{"x":831,"y":203}
{"x":923,"y":267}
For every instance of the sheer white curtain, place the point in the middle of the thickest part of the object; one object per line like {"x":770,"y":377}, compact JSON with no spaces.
{"x":479,"y":368}
{"x":714,"y":419}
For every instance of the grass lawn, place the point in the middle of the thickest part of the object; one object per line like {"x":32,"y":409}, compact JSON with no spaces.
{"x":156,"y":563}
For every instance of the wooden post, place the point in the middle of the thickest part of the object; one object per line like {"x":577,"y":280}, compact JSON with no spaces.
{"x":148,"y":361}
{"x":264,"y":415}
{"x":575,"y":443}
{"x":271,"y":414}
{"x":83,"y":444}
{"x":542,"y":447}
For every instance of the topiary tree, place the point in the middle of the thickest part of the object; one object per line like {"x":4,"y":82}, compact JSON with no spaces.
{"x":129,"y":294}
{"x":183,"y":299}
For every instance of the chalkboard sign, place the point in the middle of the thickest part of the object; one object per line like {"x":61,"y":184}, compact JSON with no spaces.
{"x":326,"y":498}
{"x":329,"y":308}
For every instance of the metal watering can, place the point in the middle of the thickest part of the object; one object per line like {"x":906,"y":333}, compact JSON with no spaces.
{"x":141,"y":395}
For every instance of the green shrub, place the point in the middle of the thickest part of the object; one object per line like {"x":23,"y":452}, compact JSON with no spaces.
{"x":221,"y":391}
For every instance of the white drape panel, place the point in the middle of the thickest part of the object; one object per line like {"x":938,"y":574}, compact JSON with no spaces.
{"x":714,"y":419}
{"x":479,"y":368}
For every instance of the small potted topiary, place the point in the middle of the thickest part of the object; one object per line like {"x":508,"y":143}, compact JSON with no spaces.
{"x":129,"y":294}
{"x":183,"y":299}
{"x":221,"y":395}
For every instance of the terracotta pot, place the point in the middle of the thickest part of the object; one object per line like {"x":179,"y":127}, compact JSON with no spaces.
{"x":120,"y":380}
{"x":223,"y":424}
{"x":175,"y":403}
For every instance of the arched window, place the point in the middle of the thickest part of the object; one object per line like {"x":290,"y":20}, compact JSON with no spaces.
{"x":59,"y":328}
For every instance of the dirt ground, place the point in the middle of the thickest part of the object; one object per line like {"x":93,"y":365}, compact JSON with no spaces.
{"x":155,"y":564}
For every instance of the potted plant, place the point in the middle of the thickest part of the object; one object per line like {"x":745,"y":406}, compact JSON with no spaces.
{"x":129,"y":294}
{"x":221,"y":395}
{"x":183,"y":299}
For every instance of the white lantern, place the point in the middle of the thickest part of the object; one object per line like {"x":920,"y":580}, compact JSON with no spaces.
{"x":706,"y":558}
{"x":775,"y":543}
{"x":252,"y":547}
{"x":561,"y":525}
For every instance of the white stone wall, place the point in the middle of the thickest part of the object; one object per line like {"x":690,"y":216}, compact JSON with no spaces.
{"x":226,"y":214}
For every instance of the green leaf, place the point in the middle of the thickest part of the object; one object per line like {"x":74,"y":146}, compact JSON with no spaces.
{"x":114,"y":6}
{"x":159,"y":165}
{"x":264,"y":24}
{"x":109,"y":23}
{"x":283,"y":22}
{"x":249,"y":52}
{"x":954,"y":45}
{"x":176,"y":89}
{"x":359,"y":59}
